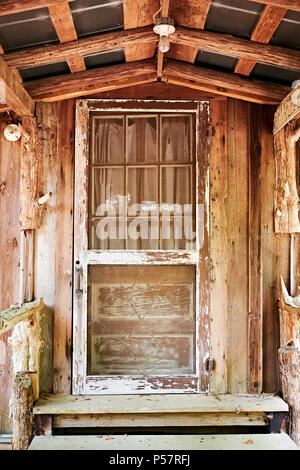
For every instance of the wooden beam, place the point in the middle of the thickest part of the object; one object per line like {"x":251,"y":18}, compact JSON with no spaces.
{"x":190,"y":13}
{"x":223,"y":83}
{"x":139,"y":13}
{"x":92,"y":81}
{"x":63,"y":23}
{"x":12,"y":92}
{"x":287,"y":4}
{"x":287,"y":110}
{"x":263,"y":32}
{"x":101,"y":42}
{"x":8,"y":7}
{"x":237,"y":47}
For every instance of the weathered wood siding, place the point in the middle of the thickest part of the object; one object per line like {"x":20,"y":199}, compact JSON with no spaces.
{"x":244,"y":290}
{"x":10,"y":153}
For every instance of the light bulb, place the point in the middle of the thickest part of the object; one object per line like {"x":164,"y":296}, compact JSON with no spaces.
{"x":164,"y":44}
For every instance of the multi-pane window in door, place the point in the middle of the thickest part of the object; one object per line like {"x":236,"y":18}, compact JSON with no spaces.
{"x":142,"y":182}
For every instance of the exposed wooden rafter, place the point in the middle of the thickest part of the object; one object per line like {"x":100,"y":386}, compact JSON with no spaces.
{"x":134,"y":73}
{"x":192,"y":14}
{"x":63,"y":23}
{"x":8,"y":7}
{"x":222,"y":83}
{"x":101,"y":42}
{"x":12,"y":92}
{"x":238,"y":47}
{"x":92,"y":81}
{"x":287,"y":4}
{"x":144,"y":37}
{"x":263,"y":32}
{"x":138,"y":15}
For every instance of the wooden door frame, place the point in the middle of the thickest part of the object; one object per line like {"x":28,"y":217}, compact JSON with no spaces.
{"x":82,"y":258}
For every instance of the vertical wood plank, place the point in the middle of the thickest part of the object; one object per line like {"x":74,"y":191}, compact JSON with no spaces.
{"x":275,"y":255}
{"x":64,"y":247}
{"x":218,"y":246}
{"x":203,"y":198}
{"x":44,"y":247}
{"x":10,"y":251}
{"x":255,"y":253}
{"x":237,"y":245}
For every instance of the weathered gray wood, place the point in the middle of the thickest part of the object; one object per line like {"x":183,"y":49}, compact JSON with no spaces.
{"x":17,"y":313}
{"x":167,"y":442}
{"x":172,"y":403}
{"x":159,"y":420}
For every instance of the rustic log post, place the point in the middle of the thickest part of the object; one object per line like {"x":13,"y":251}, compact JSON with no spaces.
{"x":289,"y":359}
{"x":22,"y":406}
{"x":286,"y":194}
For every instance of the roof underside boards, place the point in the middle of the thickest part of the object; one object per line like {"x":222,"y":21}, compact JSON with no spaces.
{"x":34,"y":28}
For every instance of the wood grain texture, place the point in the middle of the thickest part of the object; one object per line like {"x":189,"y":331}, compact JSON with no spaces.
{"x":140,"y":51}
{"x":62,"y":20}
{"x":255,"y":322}
{"x":286,"y":204}
{"x":287,"y":110}
{"x":182,"y":52}
{"x":141,"y":37}
{"x":237,"y":246}
{"x":64,"y":247}
{"x":135,"y":420}
{"x":162,"y":403}
{"x":287,"y":4}
{"x":10,"y":250}
{"x":63,"y":23}
{"x":237,"y":47}
{"x":263,"y":32}
{"x":222,"y":83}
{"x":138,"y":13}
{"x":190,"y":13}
{"x":8,"y":7}
{"x":203,"y":146}
{"x":170,"y":442}
{"x":275,"y":255}
{"x":92,"y":81}
{"x":12,"y":92}
{"x":159,"y":91}
{"x":218,"y":245}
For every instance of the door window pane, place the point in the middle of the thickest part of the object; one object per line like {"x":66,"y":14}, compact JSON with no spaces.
{"x":141,"y":320}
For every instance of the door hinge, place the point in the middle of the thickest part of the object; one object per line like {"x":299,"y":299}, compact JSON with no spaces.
{"x":210,"y":364}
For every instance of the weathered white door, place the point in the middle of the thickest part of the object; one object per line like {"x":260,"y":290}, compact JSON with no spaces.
{"x":140,"y":248}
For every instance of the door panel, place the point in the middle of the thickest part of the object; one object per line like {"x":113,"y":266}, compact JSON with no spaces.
{"x":137,"y":309}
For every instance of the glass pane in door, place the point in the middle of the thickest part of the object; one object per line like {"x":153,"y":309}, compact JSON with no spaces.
{"x":141,"y":320}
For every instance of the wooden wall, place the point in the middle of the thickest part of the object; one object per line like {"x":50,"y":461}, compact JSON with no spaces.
{"x":246,"y":256}
{"x":10,"y":153}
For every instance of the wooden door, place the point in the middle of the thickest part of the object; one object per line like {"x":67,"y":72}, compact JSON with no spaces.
{"x":140,"y":249}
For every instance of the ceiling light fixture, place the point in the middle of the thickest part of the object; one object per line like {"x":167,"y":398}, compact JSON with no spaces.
{"x":164,"y":27}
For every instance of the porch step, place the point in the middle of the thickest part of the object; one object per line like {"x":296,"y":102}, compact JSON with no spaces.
{"x":166,"y":442}
{"x":169,"y":403}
